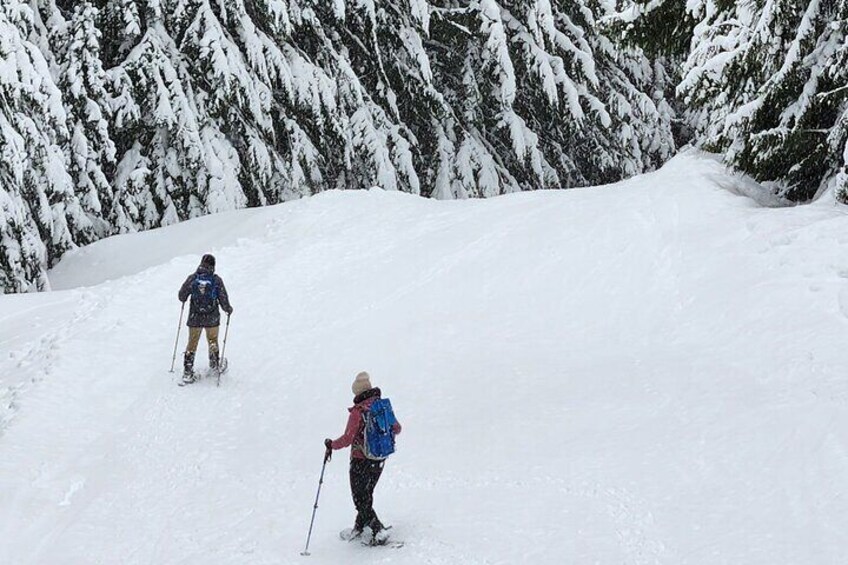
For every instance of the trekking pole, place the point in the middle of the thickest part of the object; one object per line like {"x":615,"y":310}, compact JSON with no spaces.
{"x":177,"y":341}
{"x":223,"y":360}
{"x":315,"y":508}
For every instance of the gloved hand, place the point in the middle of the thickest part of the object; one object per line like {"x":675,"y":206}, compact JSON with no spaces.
{"x":328,"y":455}
{"x":229,"y":311}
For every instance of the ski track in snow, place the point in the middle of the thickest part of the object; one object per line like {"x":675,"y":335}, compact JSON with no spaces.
{"x":646,"y":373}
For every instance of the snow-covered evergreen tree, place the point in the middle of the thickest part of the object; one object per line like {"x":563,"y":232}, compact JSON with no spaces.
{"x":767,"y":83}
{"x":384,"y":99}
{"x":160,"y":173}
{"x":37,"y":202}
{"x":83,"y":82}
{"x":200,"y":126}
{"x":662,"y":28}
{"x":552,"y":100}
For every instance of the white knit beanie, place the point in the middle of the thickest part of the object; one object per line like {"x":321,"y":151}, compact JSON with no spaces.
{"x":361,"y":383}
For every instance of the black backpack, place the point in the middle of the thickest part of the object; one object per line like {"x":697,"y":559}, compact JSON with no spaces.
{"x":204,"y":294}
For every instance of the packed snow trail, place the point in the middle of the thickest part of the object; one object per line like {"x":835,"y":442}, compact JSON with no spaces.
{"x":651,"y":372}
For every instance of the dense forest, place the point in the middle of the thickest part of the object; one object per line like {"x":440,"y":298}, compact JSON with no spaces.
{"x":126,"y":115}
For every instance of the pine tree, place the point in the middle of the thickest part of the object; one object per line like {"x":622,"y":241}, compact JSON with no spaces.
{"x":384,"y":99}
{"x":662,"y":28}
{"x":36,"y":191}
{"x":767,"y":85}
{"x":83,"y":83}
{"x":158,"y":141}
{"x":206,"y":131}
{"x":558,"y":103}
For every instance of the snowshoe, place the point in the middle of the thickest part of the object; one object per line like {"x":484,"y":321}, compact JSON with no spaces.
{"x":189,"y":378}
{"x":380,"y":538}
{"x":216,"y":372}
{"x":350,"y":534}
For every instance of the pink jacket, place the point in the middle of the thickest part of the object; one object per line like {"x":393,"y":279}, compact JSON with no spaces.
{"x":355,"y":430}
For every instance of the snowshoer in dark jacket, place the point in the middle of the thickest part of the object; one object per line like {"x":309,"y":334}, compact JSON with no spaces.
{"x":364,"y":472}
{"x":207,"y":293}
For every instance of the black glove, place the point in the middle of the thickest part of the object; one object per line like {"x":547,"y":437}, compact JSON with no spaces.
{"x":229,"y":311}
{"x":328,"y":455}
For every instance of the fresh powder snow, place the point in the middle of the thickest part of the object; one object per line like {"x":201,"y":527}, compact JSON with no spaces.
{"x":649,"y":372}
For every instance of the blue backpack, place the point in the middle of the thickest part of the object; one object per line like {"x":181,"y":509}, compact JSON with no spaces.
{"x":204,"y":294}
{"x":379,"y":436}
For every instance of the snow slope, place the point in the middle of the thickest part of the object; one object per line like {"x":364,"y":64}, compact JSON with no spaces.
{"x":652,"y":372}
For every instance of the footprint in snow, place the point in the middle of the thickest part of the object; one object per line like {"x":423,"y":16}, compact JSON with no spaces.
{"x":74,"y":488}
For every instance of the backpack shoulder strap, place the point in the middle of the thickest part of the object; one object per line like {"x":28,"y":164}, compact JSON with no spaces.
{"x":360,"y":430}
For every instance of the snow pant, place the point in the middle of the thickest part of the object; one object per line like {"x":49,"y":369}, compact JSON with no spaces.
{"x":211,"y":337}
{"x":191,"y":348}
{"x":364,"y":474}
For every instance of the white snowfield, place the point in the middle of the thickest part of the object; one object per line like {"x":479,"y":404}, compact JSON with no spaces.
{"x":651,"y":372}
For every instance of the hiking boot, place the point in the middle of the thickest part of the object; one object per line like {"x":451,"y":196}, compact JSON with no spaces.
{"x":214,"y":360}
{"x":188,"y":368}
{"x":188,"y":362}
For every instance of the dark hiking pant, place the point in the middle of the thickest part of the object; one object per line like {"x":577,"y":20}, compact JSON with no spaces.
{"x":364,"y":474}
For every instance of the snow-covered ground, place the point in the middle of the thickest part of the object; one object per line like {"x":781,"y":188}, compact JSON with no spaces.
{"x":653,"y":372}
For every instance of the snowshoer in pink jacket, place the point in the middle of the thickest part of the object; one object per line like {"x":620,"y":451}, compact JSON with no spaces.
{"x":364,"y":472}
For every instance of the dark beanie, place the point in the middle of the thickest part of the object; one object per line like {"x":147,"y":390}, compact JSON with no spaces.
{"x":208,"y":260}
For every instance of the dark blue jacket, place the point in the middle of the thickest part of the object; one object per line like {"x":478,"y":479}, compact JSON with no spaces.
{"x":195,"y":318}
